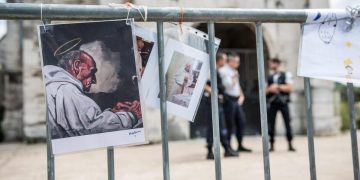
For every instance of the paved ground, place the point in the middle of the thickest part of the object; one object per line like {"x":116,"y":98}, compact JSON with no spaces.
{"x":28,"y":162}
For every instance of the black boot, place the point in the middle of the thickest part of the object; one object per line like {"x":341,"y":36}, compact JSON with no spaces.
{"x":291,"y":147}
{"x":243,"y":149}
{"x":272,"y":147}
{"x":229,"y":152}
{"x":210,"y":154}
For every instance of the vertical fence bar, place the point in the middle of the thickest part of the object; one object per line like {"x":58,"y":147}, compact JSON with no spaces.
{"x":49,"y":152}
{"x":110,"y":162}
{"x":163,"y":109}
{"x":310,"y":128}
{"x":262,"y":99}
{"x":50,"y":155}
{"x":214,"y":100}
{"x":354,"y":145}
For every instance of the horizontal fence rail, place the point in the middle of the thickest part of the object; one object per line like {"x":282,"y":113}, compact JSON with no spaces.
{"x":100,"y":12}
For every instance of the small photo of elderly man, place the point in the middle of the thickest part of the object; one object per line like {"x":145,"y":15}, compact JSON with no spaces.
{"x":182,"y":77}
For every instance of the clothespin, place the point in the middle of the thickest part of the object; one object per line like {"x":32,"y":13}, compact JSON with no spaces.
{"x":354,"y":12}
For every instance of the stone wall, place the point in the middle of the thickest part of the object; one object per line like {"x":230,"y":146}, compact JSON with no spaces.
{"x":10,"y":57}
{"x":24,"y":97}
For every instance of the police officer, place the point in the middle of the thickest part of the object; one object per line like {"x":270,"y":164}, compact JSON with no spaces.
{"x":278,"y":98}
{"x":229,"y":152}
{"x":234,"y":99}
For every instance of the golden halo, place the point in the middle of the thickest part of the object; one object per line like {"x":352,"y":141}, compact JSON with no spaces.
{"x":59,"y":51}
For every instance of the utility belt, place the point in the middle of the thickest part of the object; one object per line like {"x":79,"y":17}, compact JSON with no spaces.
{"x":278,"y":98}
{"x":231,"y":98}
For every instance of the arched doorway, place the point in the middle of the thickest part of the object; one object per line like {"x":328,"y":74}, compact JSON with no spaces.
{"x":239,"y":39}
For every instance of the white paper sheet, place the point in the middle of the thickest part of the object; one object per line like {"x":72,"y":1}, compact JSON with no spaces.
{"x":192,"y":43}
{"x":183,"y":102}
{"x":326,"y":50}
{"x":150,"y":74}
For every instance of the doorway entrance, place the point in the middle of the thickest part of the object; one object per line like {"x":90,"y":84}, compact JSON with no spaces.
{"x":238,"y":39}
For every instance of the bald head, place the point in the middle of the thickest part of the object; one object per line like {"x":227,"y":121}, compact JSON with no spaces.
{"x":68,"y":59}
{"x":81,"y":66}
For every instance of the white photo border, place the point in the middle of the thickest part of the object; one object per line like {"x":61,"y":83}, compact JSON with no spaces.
{"x":148,"y":79}
{"x":187,"y":113}
{"x":101,"y":140}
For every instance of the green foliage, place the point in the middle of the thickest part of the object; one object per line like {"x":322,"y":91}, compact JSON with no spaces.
{"x":344,"y":114}
{"x":345,"y":120}
{"x":343,"y":91}
{"x":344,"y":109}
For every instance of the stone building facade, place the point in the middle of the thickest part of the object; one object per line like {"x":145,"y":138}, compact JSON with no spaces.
{"x":24,"y":96}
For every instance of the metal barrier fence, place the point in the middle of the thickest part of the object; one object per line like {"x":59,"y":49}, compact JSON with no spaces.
{"x":47,"y":12}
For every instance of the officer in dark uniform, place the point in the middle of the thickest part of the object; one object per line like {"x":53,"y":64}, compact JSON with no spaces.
{"x":278,"y":97}
{"x":229,"y":152}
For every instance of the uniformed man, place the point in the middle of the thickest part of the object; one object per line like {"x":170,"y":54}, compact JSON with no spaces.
{"x":278,"y":97}
{"x":229,"y":152}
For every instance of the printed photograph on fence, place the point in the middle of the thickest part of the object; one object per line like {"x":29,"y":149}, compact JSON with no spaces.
{"x":147,"y":59}
{"x":186,"y":71}
{"x":329,"y":49}
{"x":144,"y":48}
{"x":187,"y":37}
{"x":91,"y":85}
{"x":182,"y":76}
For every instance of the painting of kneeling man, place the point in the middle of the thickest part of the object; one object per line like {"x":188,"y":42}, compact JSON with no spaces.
{"x":90,"y":78}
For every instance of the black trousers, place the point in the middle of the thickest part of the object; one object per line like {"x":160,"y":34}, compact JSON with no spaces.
{"x":272,"y":111}
{"x":235,"y":118}
{"x":209,"y":129}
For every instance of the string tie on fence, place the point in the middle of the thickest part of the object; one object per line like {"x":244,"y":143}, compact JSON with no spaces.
{"x":41,"y":12}
{"x":142,"y":10}
{"x":181,"y":19}
{"x":41,"y":17}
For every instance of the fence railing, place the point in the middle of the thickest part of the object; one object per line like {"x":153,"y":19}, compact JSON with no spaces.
{"x":48,"y":12}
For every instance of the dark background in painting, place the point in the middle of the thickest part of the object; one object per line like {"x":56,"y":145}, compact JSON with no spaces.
{"x":116,"y":35}
{"x":145,"y":51}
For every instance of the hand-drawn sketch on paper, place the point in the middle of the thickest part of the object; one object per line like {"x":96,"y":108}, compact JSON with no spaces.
{"x":327,"y":27}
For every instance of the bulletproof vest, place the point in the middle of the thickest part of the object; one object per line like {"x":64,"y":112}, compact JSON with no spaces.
{"x":282,"y":97}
